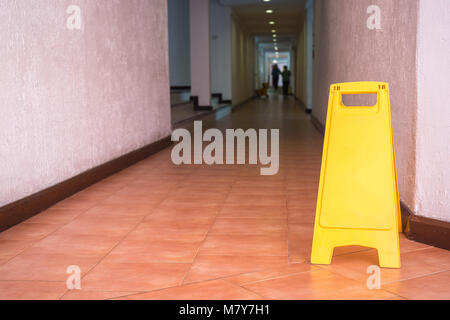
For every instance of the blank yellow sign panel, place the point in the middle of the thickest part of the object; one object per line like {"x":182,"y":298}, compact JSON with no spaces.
{"x":358,"y":200}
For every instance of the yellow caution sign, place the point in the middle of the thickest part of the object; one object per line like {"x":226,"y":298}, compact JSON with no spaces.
{"x":358,"y":202}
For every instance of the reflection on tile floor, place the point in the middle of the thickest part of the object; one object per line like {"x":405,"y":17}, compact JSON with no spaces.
{"x":158,"y":231}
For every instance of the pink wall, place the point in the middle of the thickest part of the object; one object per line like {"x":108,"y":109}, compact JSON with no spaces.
{"x":72,"y":100}
{"x":433,"y":117}
{"x":346,"y":50}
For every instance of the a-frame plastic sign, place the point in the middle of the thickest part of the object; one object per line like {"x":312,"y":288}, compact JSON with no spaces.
{"x":358,"y":201}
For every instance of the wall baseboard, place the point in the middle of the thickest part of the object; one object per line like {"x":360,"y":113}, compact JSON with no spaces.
{"x":180,"y":88}
{"x":319,"y":126}
{"x":197,"y":107}
{"x":417,"y":228}
{"x":220,"y":97}
{"x":425,"y":230}
{"x":25,"y":208}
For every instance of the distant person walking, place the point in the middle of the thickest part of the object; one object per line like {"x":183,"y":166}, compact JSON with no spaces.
{"x":275,"y":76}
{"x":286,"y":74}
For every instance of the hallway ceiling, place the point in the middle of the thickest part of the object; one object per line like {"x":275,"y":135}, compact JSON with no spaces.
{"x":284,"y":43}
{"x":244,"y":2}
{"x":287,"y":15}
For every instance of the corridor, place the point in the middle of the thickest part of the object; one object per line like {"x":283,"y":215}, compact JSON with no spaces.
{"x":160,"y":231}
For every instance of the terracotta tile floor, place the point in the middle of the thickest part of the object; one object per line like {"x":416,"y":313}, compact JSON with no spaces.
{"x":158,"y":231}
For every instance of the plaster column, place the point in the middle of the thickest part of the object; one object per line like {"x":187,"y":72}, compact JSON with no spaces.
{"x":200,"y":54}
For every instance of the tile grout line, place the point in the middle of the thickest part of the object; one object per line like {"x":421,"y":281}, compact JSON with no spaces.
{"x":417,"y":277}
{"x":287,"y":231}
{"x":250,"y":290}
{"x":49,"y":281}
{"x":382,"y":284}
{"x":207,"y":233}
{"x":121,"y":240}
{"x":34,"y":242}
{"x":273,"y":277}
{"x":396,"y":295}
{"x":177,"y":286}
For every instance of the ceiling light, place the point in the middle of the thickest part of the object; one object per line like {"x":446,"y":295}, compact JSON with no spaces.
{"x":274,"y":35}
{"x":276,"y":48}
{"x":271,"y":22}
{"x":274,"y":31}
{"x":269,"y":11}
{"x":266,"y":0}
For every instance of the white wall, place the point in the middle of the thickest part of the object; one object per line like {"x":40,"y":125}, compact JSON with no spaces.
{"x":293,"y":67}
{"x":433,"y":115}
{"x":220,"y":24}
{"x":200,"y":51}
{"x":261,"y":68}
{"x":304,"y":59}
{"x":179,"y":56}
